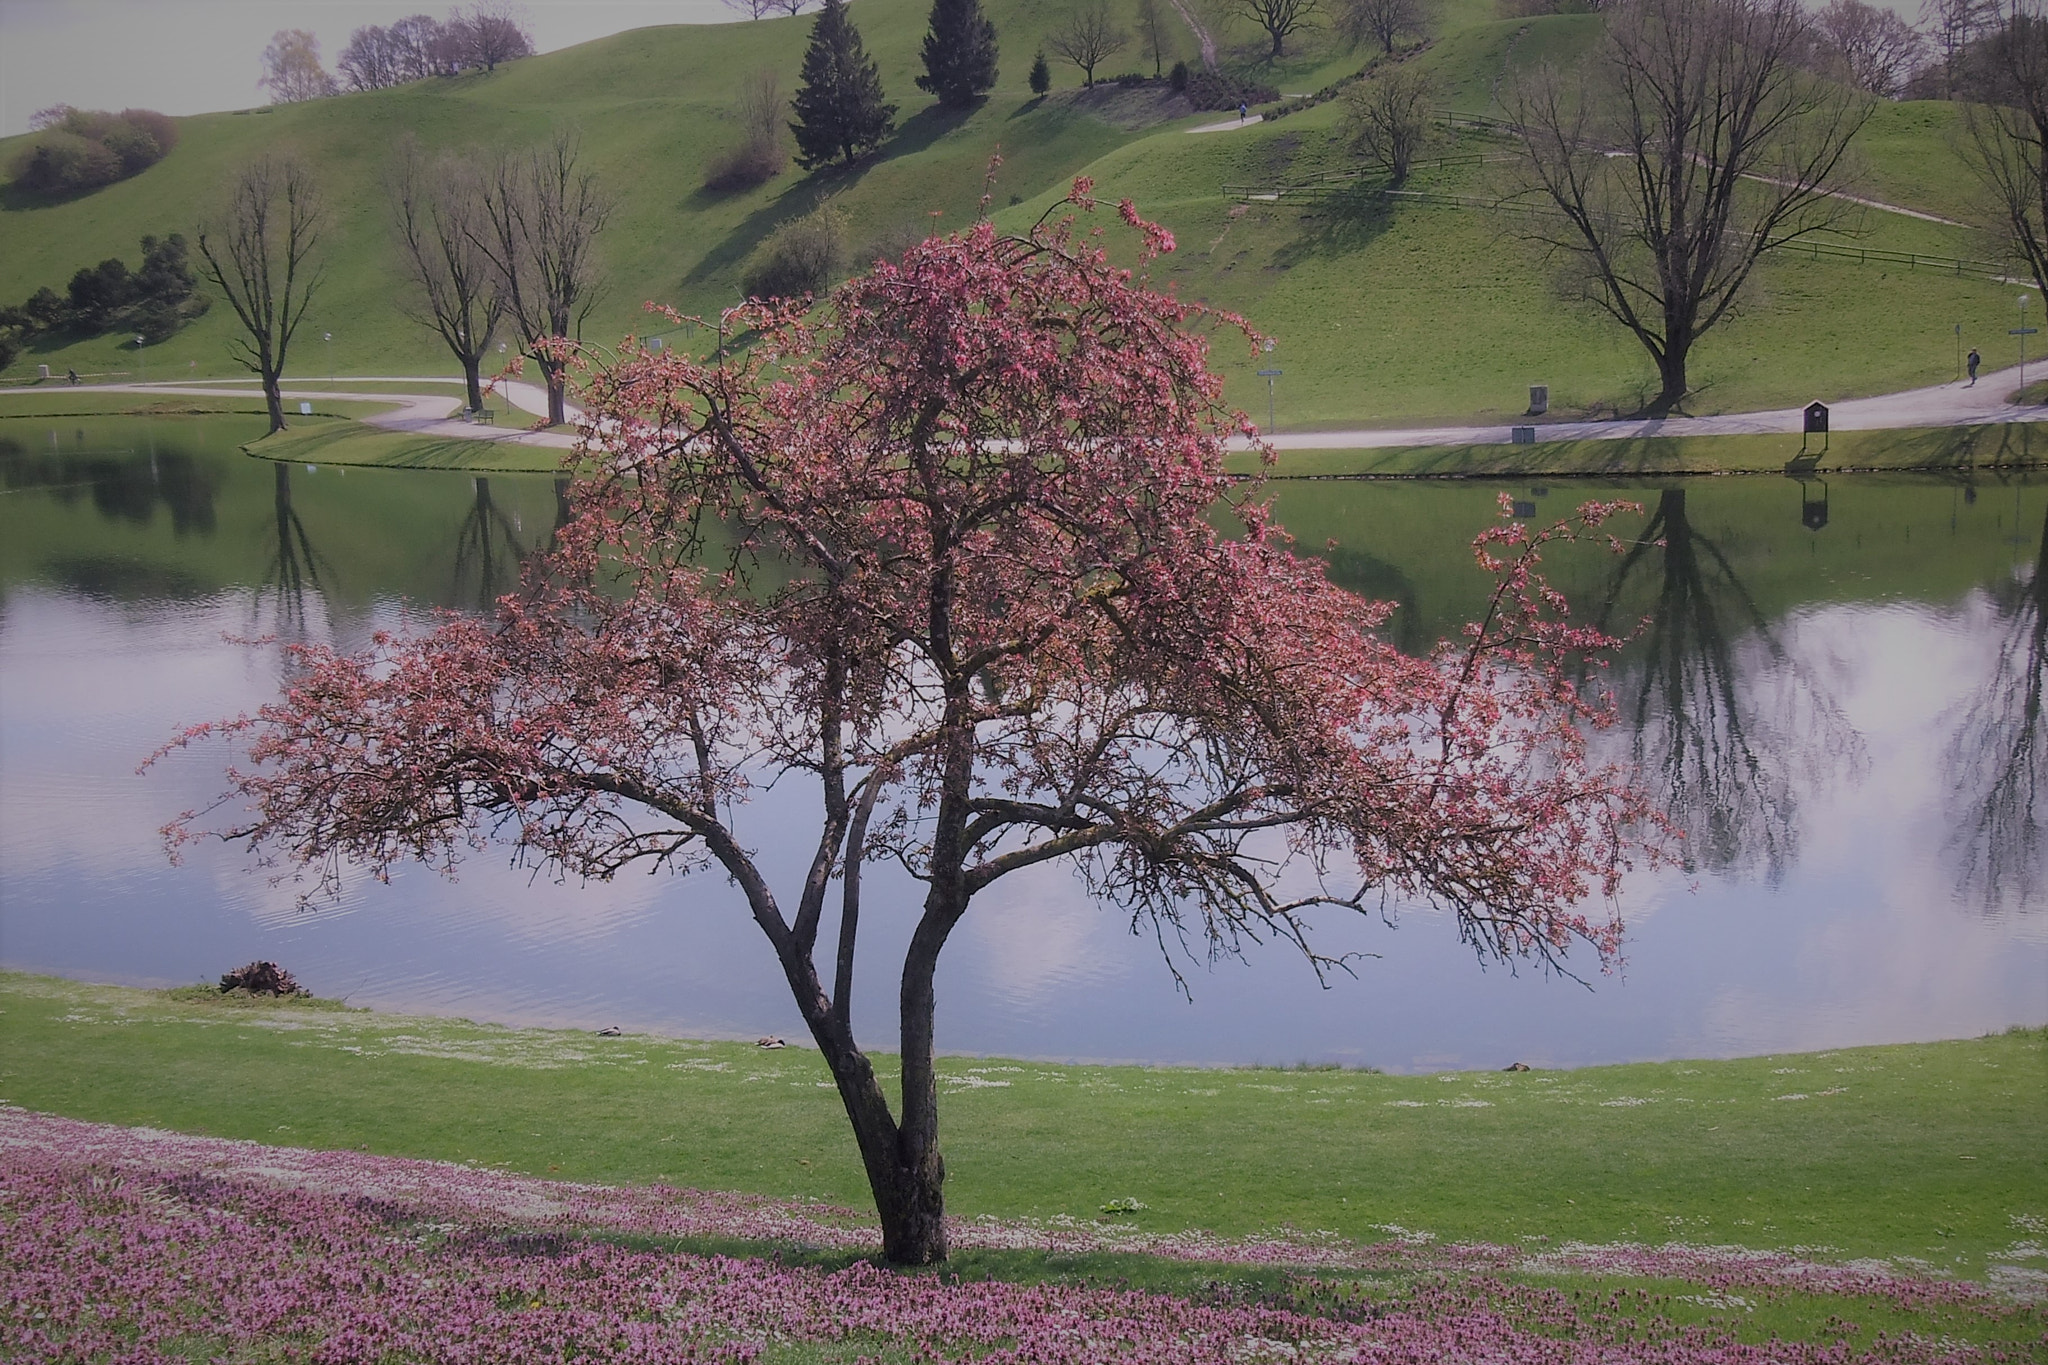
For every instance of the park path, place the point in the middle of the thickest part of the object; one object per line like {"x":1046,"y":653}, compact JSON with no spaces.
{"x":1954,"y":404}
{"x":1988,"y":402}
{"x":1229,"y":124}
{"x":410,"y":414}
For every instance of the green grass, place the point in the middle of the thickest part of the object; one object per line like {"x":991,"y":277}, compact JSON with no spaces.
{"x":1929,"y":1151}
{"x":1418,"y":314}
{"x":357,"y":446}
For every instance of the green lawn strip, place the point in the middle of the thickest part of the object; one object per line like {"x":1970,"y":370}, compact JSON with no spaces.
{"x":1930,"y":1151}
{"x":1943,"y":450}
{"x":358,"y":446}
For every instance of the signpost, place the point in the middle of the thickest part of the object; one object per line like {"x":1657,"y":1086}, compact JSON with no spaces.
{"x":1269,"y":376}
{"x":2023,"y":332}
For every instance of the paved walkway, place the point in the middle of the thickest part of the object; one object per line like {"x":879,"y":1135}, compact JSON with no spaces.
{"x":410,"y":414}
{"x":1943,"y":405}
{"x":1986,"y":403}
{"x":1228,"y":124}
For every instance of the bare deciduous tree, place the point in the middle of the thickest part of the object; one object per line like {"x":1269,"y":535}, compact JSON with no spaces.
{"x":1279,"y":18}
{"x":1386,"y":118}
{"x":1873,"y":49}
{"x":2007,"y":142}
{"x":1688,"y":146}
{"x":1156,"y":31}
{"x":542,"y":213}
{"x":753,"y":9}
{"x":420,"y":46}
{"x":1386,"y":22}
{"x":292,"y":70}
{"x":1951,"y":26}
{"x":437,"y":211}
{"x":491,"y":32}
{"x":1088,"y":37}
{"x":259,"y":251}
{"x":371,"y":61}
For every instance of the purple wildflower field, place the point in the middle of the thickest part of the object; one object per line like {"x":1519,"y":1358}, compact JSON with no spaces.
{"x":135,"y":1246}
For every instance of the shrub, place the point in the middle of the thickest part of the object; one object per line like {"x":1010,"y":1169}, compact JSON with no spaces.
{"x":1178,"y":77}
{"x":82,"y":149}
{"x":1214,"y":90}
{"x":744,"y":167}
{"x":800,"y":257}
{"x":261,"y":978}
{"x":9,"y":349}
{"x":1041,"y":75}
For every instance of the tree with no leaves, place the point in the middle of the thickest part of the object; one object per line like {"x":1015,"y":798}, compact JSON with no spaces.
{"x":1687,"y":146}
{"x":983,"y":611}
{"x":2006,"y":142}
{"x":372,"y":60}
{"x":1157,"y":32}
{"x":1279,"y":18}
{"x":541,"y":216}
{"x":292,"y":70}
{"x":1952,"y":26}
{"x":1087,"y":37}
{"x":437,"y":211}
{"x":489,"y":33}
{"x":1386,"y":118}
{"x":1873,"y":49}
{"x":259,"y":250}
{"x":1386,"y":22}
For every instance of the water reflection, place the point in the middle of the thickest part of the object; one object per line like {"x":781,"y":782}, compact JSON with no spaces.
{"x":1726,"y":762}
{"x":1848,"y":723}
{"x":2000,"y":749}
{"x":122,"y":484}
{"x":295,"y":566}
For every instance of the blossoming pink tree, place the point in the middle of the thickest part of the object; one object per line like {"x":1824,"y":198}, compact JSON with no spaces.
{"x":948,"y":547}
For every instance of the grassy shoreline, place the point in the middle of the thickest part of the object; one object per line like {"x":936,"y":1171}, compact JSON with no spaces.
{"x":1934,"y":1152}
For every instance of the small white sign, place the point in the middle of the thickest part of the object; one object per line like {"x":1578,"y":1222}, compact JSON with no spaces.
{"x":305,"y":409}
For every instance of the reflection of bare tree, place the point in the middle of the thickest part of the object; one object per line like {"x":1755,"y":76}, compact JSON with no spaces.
{"x":1725,"y":763}
{"x":294,"y":566}
{"x":2000,"y":750}
{"x":488,"y":551}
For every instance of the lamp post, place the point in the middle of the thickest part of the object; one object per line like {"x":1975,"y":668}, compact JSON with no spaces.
{"x":141,"y":363}
{"x":327,"y":340}
{"x":2023,"y":332}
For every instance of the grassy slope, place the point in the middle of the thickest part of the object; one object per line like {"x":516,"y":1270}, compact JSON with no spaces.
{"x":1928,"y":1151}
{"x":1425,"y":314}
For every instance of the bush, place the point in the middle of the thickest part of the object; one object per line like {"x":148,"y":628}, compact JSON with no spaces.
{"x":744,"y":167}
{"x":1041,"y":75}
{"x":1178,"y":77}
{"x":82,"y":149}
{"x":1213,"y":90}
{"x":9,"y":349}
{"x":154,"y":301}
{"x":800,"y":257}
{"x":261,"y":978}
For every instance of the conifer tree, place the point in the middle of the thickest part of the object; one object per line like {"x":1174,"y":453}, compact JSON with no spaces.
{"x":839,"y":107}
{"x":959,"y":53}
{"x":1041,"y":75}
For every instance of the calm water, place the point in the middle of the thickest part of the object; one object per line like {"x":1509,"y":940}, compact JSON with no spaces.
{"x":1846,"y":719}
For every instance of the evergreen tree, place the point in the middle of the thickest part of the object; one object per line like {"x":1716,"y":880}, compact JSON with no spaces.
{"x":959,"y":53}
{"x":839,"y":107}
{"x":1041,"y":75}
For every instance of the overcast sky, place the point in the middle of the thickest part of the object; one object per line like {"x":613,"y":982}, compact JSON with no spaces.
{"x":192,"y":56}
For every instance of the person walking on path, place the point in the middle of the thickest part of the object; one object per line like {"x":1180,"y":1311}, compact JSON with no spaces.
{"x":1242,"y":110}
{"x":1974,"y":361}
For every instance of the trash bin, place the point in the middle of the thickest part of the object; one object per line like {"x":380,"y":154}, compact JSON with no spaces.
{"x":1539,"y":399}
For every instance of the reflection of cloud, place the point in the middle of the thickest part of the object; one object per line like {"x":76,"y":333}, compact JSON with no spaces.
{"x":1033,"y":937}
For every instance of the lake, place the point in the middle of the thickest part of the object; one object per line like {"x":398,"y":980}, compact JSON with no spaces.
{"x":1838,"y":698}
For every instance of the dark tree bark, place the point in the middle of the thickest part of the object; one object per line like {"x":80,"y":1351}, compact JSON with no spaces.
{"x":438,"y":213}
{"x":541,"y":217}
{"x":1689,"y":146}
{"x":259,"y":251}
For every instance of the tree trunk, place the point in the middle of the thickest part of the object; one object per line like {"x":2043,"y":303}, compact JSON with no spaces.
{"x":1276,"y":48}
{"x":273,"y":398}
{"x":1671,"y":372}
{"x":470,"y":366}
{"x":558,"y":385}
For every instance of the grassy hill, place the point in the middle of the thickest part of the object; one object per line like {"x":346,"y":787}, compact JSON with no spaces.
{"x":1418,"y":313}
